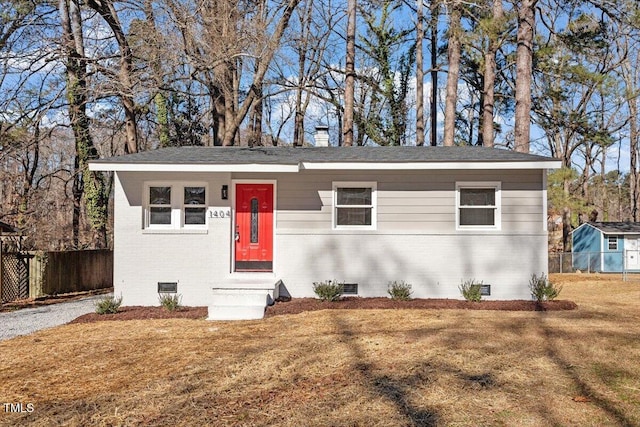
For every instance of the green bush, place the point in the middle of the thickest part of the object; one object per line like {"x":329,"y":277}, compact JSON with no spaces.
{"x":328,"y":290}
{"x":471,"y":290}
{"x":171,"y":302}
{"x":108,"y":305}
{"x":542,"y":289}
{"x":400,"y":291}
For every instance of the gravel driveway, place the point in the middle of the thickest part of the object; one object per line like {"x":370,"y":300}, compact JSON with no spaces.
{"x":29,"y":320}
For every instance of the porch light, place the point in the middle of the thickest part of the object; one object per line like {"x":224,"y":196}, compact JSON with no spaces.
{"x":224,"y":193}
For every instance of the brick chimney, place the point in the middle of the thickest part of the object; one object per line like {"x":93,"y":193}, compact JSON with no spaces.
{"x":321,"y":136}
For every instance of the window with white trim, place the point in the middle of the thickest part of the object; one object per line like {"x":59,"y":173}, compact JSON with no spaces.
{"x":612,"y":243}
{"x":354,"y":205}
{"x":173,"y":206}
{"x":159,"y":205}
{"x":478,"y":205}
{"x":194,"y":207}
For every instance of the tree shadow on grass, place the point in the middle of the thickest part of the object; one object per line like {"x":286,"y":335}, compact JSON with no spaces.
{"x":584,"y":389}
{"x":395,"y":390}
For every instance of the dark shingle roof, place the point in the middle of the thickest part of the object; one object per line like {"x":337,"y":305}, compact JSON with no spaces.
{"x":295,"y":155}
{"x":617,"y":227}
{"x":6,"y":228}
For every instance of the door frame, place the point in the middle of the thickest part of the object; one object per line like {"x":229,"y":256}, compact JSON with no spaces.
{"x":273,"y":182}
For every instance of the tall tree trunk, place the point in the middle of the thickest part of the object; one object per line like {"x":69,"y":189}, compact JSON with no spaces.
{"x":350,"y":81}
{"x":453,"y":53}
{"x":298,"y":119}
{"x":631,"y":92}
{"x":108,"y":12}
{"x":488,"y":99}
{"x":634,"y":179}
{"x":435,"y":11}
{"x":566,"y":229}
{"x":160,"y":99}
{"x":92,"y":186}
{"x":524,"y":57}
{"x":255,"y":117}
{"x":419,"y":76}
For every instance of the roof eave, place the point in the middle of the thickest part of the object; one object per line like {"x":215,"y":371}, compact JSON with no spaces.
{"x":191,"y":167}
{"x":475,"y":165}
{"x":292,"y":168}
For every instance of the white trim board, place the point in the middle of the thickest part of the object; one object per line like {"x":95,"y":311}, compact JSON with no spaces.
{"x":289,"y":168}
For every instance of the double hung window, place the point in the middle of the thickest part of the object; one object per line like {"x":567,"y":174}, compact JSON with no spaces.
{"x":171,"y":206}
{"x":478,"y":205}
{"x":354,"y":205}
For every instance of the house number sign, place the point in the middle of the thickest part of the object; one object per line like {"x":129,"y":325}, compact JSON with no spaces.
{"x":219,"y":213}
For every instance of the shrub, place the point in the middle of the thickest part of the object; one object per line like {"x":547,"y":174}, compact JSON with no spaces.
{"x":328,"y":290}
{"x":400,"y":291}
{"x":171,"y":302}
{"x":471,"y":290}
{"x":108,"y":305}
{"x":542,"y":289}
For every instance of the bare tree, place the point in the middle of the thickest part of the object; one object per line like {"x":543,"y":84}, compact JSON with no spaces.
{"x":524,"y":59}
{"x":453,"y":54}
{"x":108,"y":12}
{"x":433,"y":110}
{"x":90,"y":185}
{"x":419,"y":75}
{"x":350,"y":85}
{"x":490,"y":74}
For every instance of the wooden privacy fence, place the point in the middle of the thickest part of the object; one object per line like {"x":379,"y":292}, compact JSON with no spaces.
{"x":52,"y":273}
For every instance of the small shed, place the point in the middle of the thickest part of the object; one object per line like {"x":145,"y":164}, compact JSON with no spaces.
{"x":608,"y":247}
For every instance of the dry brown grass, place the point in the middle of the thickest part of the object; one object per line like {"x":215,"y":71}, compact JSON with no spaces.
{"x":342,"y":367}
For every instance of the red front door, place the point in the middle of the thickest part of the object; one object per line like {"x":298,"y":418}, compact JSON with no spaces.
{"x":254,"y":227}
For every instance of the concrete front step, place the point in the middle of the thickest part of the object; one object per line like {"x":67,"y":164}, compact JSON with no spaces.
{"x":238,"y":304}
{"x":236,"y":312}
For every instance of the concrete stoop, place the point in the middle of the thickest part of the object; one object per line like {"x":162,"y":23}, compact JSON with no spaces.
{"x":241,"y":301}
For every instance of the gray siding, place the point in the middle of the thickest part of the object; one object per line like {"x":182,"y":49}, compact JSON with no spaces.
{"x":416,"y":239}
{"x":418,"y":201}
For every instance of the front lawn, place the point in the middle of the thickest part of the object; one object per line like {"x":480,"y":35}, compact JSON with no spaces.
{"x":341,"y":367}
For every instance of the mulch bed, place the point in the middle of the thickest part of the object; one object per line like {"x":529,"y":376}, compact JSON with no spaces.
{"x":145,"y":313}
{"x":299,"y":305}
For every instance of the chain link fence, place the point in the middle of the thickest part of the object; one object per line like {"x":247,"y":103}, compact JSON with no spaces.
{"x":626,"y":263}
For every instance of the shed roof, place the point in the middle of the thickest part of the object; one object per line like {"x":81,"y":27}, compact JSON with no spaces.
{"x":292,"y":159}
{"x":6,"y":228}
{"x":617,"y":227}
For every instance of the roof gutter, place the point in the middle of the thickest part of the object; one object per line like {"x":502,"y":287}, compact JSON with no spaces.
{"x":292,"y":168}
{"x":190,"y":167}
{"x":549,"y":164}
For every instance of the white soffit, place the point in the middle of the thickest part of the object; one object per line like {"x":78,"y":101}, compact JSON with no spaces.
{"x":260,"y":167}
{"x":551,"y":164}
{"x":185,"y":167}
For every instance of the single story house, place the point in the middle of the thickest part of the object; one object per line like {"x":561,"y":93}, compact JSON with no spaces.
{"x":607,"y":247}
{"x":234,"y":228}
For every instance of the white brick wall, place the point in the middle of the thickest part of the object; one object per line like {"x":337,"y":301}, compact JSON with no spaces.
{"x":431,"y":256}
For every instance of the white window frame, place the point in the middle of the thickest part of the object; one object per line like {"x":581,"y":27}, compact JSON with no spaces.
{"x":355,"y":184}
{"x":494,"y":185}
{"x":184,"y":206}
{"x":610,"y":240}
{"x":177,"y":205}
{"x":148,"y":206}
